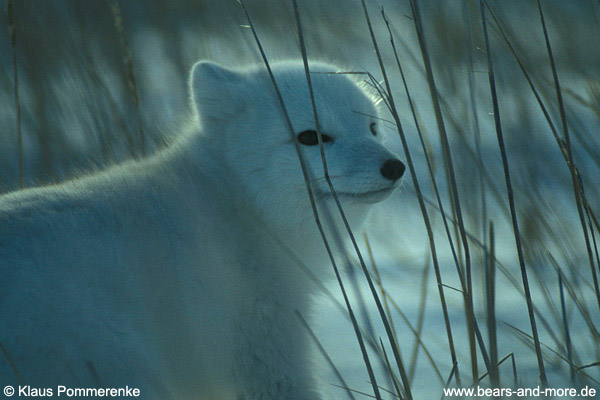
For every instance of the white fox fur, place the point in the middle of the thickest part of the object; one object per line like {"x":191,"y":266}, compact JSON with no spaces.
{"x":178,"y":274}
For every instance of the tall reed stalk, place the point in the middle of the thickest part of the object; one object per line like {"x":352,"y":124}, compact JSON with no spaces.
{"x":12,"y":28}
{"x":511,"y":201}
{"x":128,"y":61}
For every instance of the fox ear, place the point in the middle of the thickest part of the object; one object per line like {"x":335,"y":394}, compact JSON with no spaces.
{"x":216,"y":91}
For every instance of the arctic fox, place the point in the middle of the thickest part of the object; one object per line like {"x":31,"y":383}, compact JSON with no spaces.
{"x":179,"y":274}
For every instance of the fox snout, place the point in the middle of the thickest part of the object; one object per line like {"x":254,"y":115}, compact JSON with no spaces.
{"x":393,"y":169}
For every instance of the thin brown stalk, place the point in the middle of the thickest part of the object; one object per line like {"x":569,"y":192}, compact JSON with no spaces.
{"x":418,"y":338}
{"x":477,"y":131}
{"x":594,"y":364}
{"x":11,"y":364}
{"x":354,"y":390}
{"x":590,"y":217}
{"x":506,"y":357}
{"x":579,"y":304}
{"x":12,"y":29}
{"x":420,"y":319}
{"x":514,"y":370}
{"x":386,"y":306}
{"x":85,"y":56}
{"x":490,"y":295}
{"x":389,"y":367}
{"x":379,"y":283}
{"x":511,"y":201}
{"x":128,"y":60}
{"x":566,"y":328}
{"x":447,"y":385}
{"x":481,"y":343}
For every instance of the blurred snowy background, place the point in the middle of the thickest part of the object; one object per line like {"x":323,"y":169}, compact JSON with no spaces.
{"x":78,"y":113}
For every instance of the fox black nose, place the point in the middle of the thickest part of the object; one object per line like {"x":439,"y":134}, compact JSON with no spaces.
{"x":393,"y":169}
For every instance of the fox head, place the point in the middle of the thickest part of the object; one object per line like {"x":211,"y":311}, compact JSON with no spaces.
{"x":241,"y":113}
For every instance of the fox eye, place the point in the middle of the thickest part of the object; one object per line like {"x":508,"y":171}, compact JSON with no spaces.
{"x":372,"y":128}
{"x":310,"y":138}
